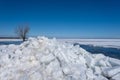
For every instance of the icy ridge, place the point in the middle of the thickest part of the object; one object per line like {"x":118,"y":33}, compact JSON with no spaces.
{"x":48,"y":59}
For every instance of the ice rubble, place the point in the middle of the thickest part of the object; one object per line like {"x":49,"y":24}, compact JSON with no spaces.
{"x":47,"y":59}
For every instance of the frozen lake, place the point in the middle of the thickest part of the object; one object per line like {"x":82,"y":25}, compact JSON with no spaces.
{"x":10,"y":42}
{"x":109,"y":47}
{"x":111,"y":52}
{"x":113,"y":43}
{"x":49,"y":59}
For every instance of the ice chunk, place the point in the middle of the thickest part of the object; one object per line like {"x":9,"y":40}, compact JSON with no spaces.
{"x":89,"y":74}
{"x":114,"y":62}
{"x":97,"y":70}
{"x":101,"y":60}
{"x":89,"y":60}
{"x":101,"y":63}
{"x":35,"y":44}
{"x":78,"y":72}
{"x":82,"y":60}
{"x":116,"y":77}
{"x":110,"y":72}
{"x":47,"y":59}
{"x":98,"y":56}
{"x":100,"y":77}
{"x":36,"y":76}
{"x":66,"y":70}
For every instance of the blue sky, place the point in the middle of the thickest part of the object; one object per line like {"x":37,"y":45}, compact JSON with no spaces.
{"x":62,"y":18}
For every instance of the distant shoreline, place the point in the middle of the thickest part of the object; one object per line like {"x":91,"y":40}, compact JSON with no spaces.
{"x":13,"y":37}
{"x":112,"y":43}
{"x":9,"y":38}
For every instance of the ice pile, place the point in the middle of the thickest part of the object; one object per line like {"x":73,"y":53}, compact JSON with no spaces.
{"x":47,"y":59}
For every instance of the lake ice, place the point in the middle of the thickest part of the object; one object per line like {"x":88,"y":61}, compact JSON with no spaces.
{"x":48,"y":59}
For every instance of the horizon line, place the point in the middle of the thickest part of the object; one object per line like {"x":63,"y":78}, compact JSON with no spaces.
{"x":58,"y":37}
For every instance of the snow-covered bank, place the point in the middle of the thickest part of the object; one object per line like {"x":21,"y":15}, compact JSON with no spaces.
{"x":113,"y":43}
{"x":48,"y":59}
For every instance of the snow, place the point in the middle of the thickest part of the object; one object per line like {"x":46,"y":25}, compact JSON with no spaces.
{"x":112,"y":43}
{"x":48,"y":59}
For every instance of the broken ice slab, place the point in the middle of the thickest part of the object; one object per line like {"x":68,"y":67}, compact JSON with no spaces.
{"x":110,"y":72}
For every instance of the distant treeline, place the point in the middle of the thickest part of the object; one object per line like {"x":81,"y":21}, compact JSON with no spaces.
{"x":9,"y":37}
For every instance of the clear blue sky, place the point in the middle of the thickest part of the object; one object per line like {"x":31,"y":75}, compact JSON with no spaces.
{"x":62,"y":18}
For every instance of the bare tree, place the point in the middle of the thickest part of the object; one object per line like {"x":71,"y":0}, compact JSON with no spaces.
{"x":22,"y":31}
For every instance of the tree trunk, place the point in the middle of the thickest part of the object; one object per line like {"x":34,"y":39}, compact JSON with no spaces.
{"x":23,"y":38}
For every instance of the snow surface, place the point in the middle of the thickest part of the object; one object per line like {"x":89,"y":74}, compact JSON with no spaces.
{"x":48,"y":59}
{"x":112,"y":43}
